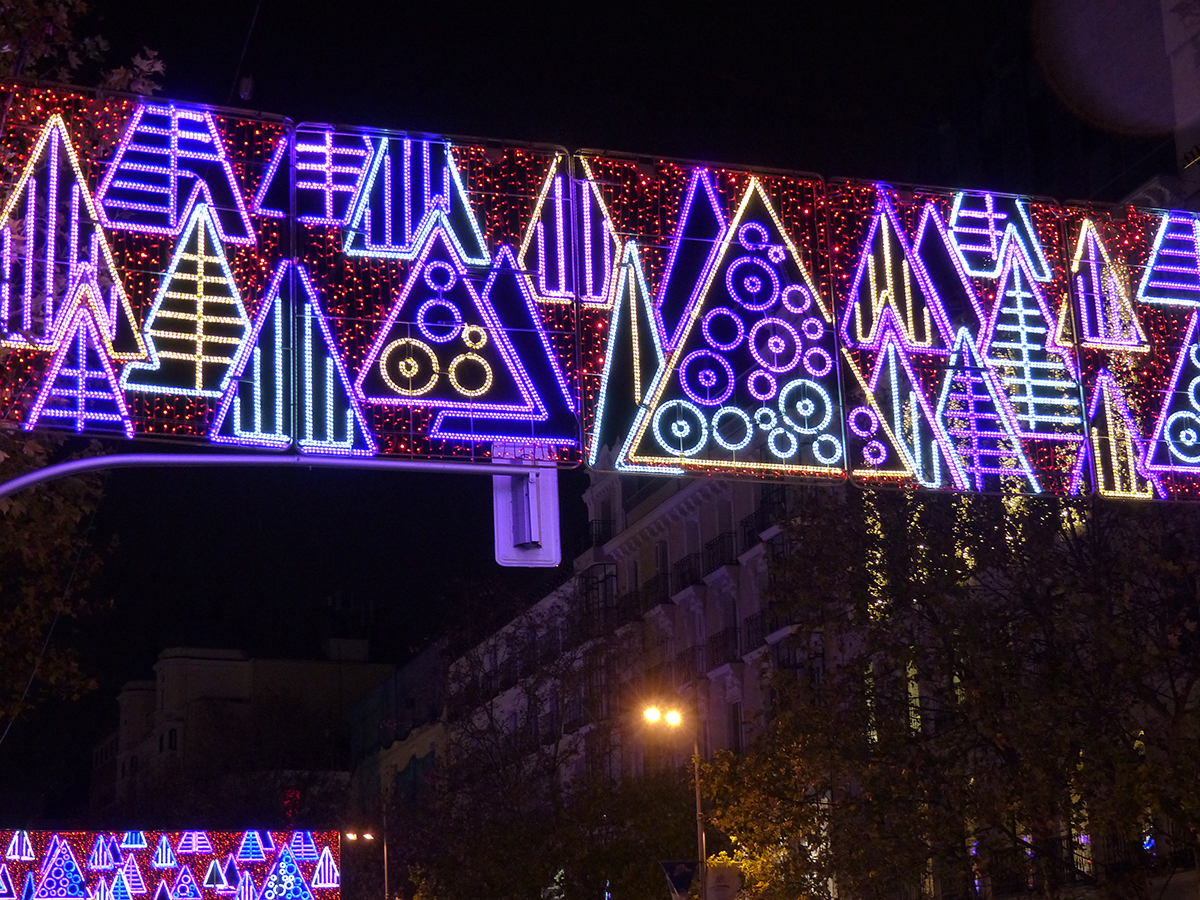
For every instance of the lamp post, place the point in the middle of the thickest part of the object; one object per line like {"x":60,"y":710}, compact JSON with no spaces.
{"x":370,"y":836}
{"x":673,"y":718}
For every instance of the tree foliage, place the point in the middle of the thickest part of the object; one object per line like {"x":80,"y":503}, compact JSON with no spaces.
{"x":1009,"y":698}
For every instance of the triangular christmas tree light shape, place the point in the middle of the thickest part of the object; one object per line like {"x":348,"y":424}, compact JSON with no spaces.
{"x":162,"y":892}
{"x":133,"y":875}
{"x":48,"y":856}
{"x":232,"y":876}
{"x":285,"y":881}
{"x":185,"y":887}
{"x":442,"y":347}
{"x":49,"y":231}
{"x":268,"y":842}
{"x":986,"y":227}
{"x":751,"y":384}
{"x":1038,"y":375}
{"x":119,"y":890}
{"x":133,"y":840}
{"x":1172,"y":274}
{"x":101,"y":890}
{"x":114,"y":849}
{"x":890,"y":276}
{"x":331,"y":168}
{"x":27,"y":889}
{"x":214,"y":878}
{"x":506,"y":294}
{"x":193,"y":842}
{"x":410,"y":186}
{"x":1116,"y":447}
{"x":256,"y":408}
{"x":1175,"y":445}
{"x":164,"y":856}
{"x":80,"y":388}
{"x":100,"y":859}
{"x":197,"y":321}
{"x":936,"y":250}
{"x":596,"y":241}
{"x":61,"y":879}
{"x":7,"y":891}
{"x":633,"y":356}
{"x":1101,"y":289}
{"x":251,"y":849}
{"x":170,"y":160}
{"x":19,"y":847}
{"x":695,"y":248}
{"x":547,"y":250}
{"x":326,"y":875}
{"x":303,"y":847}
{"x":981,"y":436}
{"x":246,"y":889}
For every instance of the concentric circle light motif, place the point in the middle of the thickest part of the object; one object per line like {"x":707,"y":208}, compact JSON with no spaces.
{"x":805,"y":406}
{"x":793,"y":445}
{"x":408,"y":367}
{"x":439,"y":320}
{"x":797,"y":299}
{"x":863,"y":421}
{"x":827,"y":450}
{"x":452,"y":374}
{"x":717,"y":318}
{"x":817,"y":362}
{"x":874,"y":453}
{"x":752,"y":283}
{"x":723,"y":415}
{"x":706,"y":377}
{"x":440,"y":276}
{"x":681,"y":428}
{"x":761,"y":385}
{"x":1183,"y":436}
{"x":774,"y":344}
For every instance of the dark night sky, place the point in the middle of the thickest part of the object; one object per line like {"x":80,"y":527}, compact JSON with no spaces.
{"x":250,"y":559}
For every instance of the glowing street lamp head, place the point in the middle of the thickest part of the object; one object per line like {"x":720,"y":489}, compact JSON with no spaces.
{"x":674,"y":718}
{"x":351,"y":835}
{"x":367,"y":836}
{"x":652,"y":714}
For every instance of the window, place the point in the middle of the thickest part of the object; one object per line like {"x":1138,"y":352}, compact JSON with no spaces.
{"x":735,"y":727}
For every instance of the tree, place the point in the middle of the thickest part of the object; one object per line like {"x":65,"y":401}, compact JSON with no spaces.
{"x":1009,"y":698}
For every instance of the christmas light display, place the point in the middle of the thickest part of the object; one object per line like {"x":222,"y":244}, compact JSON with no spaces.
{"x":330,"y":169}
{"x":986,"y":227}
{"x":694,"y":251}
{"x":1172,"y":276}
{"x":305,"y":867}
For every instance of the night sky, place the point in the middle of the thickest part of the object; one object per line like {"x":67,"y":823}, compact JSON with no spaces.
{"x":273,"y":562}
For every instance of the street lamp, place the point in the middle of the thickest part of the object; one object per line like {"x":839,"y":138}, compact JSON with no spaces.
{"x":370,"y":836}
{"x":673,"y":718}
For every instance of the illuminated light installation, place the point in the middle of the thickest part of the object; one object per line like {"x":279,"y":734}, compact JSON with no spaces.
{"x":304,"y":849}
{"x":27,"y":890}
{"x":982,"y":436}
{"x":250,"y":850}
{"x":80,"y":386}
{"x":326,"y":874}
{"x":330,"y":169}
{"x":119,"y":889}
{"x":170,"y":160}
{"x":986,"y":226}
{"x":442,"y":346}
{"x":184,"y":886}
{"x":133,"y":840}
{"x":214,"y":878}
{"x":197,"y":321}
{"x":1101,"y":291}
{"x":133,"y":875}
{"x":246,"y":889}
{"x":1172,"y":274}
{"x":7,"y":891}
{"x":507,"y":297}
{"x":101,"y":858}
{"x":547,"y":248}
{"x":596,"y":240}
{"x":1175,"y":444}
{"x":193,"y":842}
{"x":19,"y":847}
{"x":751,"y":384}
{"x":1116,"y":447}
{"x":695,"y":249}
{"x":49,"y":238}
{"x":164,"y":856}
{"x":891,"y":277}
{"x":1039,"y":376}
{"x":412,"y":187}
{"x":285,"y":881}
{"x":61,"y":877}
{"x":162,"y":892}
{"x":268,"y":841}
{"x":633,"y":357}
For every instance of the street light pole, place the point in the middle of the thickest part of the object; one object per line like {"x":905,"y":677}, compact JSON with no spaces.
{"x":699,"y":815}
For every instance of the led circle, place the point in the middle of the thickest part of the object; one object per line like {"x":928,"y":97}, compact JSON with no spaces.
{"x":775,"y":253}
{"x":725,"y":412}
{"x":409,"y":367}
{"x":765,"y":418}
{"x":752,"y":385}
{"x":706,"y":377}
{"x":706,"y":328}
{"x":855,"y":421}
{"x":429,"y":329}
{"x":474,"y":342}
{"x":752,"y":243}
{"x":780,"y":335}
{"x":874,"y":453}
{"x":813,"y":328}
{"x":443,"y":283}
{"x":811,"y":405}
{"x":799,"y":306}
{"x":793,"y":444}
{"x":823,"y":364}
{"x":1183,"y":436}
{"x":1194,"y":393}
{"x":452,"y":374}
{"x":684,"y":437}
{"x":759,"y":284}
{"x":835,"y":451}
{"x":1194,"y":353}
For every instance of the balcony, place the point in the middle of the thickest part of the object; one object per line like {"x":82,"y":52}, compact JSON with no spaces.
{"x":720,"y":551}
{"x":771,"y":509}
{"x":723,"y":648}
{"x":689,"y":664}
{"x":655,"y":592}
{"x":686,"y":572}
{"x":599,"y":532}
{"x":628,"y":608}
{"x":754,"y":630}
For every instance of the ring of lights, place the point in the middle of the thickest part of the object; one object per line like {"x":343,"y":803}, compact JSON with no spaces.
{"x":752,"y":381}
{"x":776,"y":344}
{"x":706,"y":328}
{"x":825,"y":365}
{"x":763,"y":281}
{"x":752,"y":243}
{"x":474,"y":342}
{"x":408,"y":368}
{"x":681,"y":430}
{"x":452,"y":374}
{"x":854,"y":421}
{"x":1183,"y":436}
{"x":813,"y":399}
{"x":712,"y":374}
{"x":430,"y":330}
{"x":793,"y":444}
{"x":435,"y":266}
{"x":831,"y":457}
{"x":725,"y":412}
{"x":874,"y":453}
{"x":805,"y":303}
{"x":765,"y":418}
